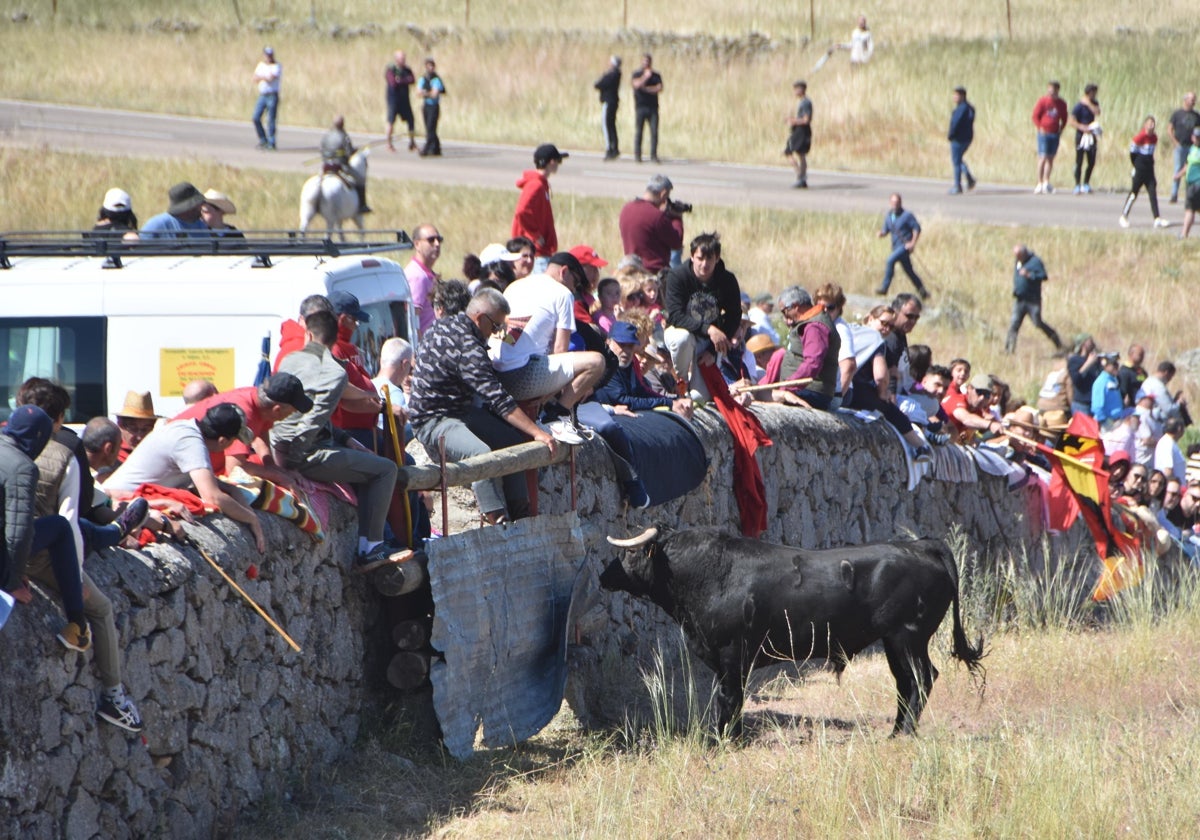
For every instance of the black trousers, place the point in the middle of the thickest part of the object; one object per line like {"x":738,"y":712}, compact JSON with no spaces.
{"x":608,"y":113}
{"x":433,"y":146}
{"x":643,"y":116}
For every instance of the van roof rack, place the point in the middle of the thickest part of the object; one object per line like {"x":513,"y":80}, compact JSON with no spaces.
{"x":261,"y":244}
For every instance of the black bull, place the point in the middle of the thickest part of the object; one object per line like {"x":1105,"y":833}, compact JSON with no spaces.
{"x":743,"y":602}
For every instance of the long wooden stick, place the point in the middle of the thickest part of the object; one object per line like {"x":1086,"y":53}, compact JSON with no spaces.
{"x":249,"y":600}
{"x":773,"y":385}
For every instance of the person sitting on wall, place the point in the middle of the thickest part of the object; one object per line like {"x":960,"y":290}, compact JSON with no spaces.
{"x":177,"y":455}
{"x":968,"y":410}
{"x":457,"y":394}
{"x":135,"y":419}
{"x":308,"y":443}
{"x":359,"y":408}
{"x":263,"y":405}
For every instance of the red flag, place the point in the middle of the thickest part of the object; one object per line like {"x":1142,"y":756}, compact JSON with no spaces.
{"x":1079,"y":485}
{"x":748,"y":435}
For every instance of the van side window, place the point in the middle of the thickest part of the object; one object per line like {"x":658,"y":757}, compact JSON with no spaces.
{"x":71,"y":351}
{"x":388,"y":320}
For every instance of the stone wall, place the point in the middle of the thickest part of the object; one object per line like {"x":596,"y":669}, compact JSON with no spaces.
{"x":233,"y":715}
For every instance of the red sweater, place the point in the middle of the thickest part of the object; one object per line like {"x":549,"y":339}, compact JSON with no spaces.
{"x":1050,"y":114}
{"x":534,"y":217}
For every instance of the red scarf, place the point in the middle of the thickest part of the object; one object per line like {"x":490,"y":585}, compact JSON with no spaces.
{"x":748,"y":435}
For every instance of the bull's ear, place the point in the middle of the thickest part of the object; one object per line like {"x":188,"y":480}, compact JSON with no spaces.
{"x":846,"y":569}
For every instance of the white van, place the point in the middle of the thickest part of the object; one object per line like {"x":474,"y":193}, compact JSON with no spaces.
{"x":107,"y":317}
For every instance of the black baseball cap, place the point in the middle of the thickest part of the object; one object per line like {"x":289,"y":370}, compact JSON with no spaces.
{"x":286,"y":388}
{"x":547,"y":152}
{"x":344,"y":303}
{"x":228,"y":421}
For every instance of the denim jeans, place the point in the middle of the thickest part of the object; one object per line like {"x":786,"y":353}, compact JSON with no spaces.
{"x":957,"y":150}
{"x":268,"y":103}
{"x":1181,"y":153}
{"x":642,"y":116}
{"x":902,"y":256}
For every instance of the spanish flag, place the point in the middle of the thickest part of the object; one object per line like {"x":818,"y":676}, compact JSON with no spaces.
{"x":1079,"y":486}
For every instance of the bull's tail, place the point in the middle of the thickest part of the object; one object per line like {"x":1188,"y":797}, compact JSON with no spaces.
{"x":963,"y":650}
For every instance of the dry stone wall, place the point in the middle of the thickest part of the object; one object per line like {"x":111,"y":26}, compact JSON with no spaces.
{"x":233,"y":715}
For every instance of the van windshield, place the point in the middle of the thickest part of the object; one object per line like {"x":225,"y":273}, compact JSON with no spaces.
{"x":70,"y":351}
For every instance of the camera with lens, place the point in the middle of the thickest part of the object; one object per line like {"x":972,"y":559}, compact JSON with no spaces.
{"x":678,"y":207}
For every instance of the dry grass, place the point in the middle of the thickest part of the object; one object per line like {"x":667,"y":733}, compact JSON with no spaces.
{"x":1079,"y":734}
{"x":1111,"y":286}
{"x":524,"y":77}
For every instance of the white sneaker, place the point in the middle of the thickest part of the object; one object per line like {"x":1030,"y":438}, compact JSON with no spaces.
{"x":1039,"y":188}
{"x":1124,"y":222}
{"x":1160,"y":222}
{"x":564,"y":431}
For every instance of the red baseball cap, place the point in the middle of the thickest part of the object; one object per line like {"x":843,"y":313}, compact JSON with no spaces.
{"x":587,"y":255}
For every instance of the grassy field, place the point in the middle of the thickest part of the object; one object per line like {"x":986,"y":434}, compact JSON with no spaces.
{"x":1079,"y":733}
{"x":1110,"y":286}
{"x":524,"y":76}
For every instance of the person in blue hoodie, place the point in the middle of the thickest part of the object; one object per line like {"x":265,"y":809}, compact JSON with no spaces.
{"x":960,"y":135}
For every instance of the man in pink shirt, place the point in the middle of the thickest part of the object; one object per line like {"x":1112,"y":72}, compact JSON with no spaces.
{"x":427,"y":247}
{"x":1050,"y":117}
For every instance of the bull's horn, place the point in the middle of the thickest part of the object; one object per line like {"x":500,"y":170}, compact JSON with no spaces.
{"x":634,"y":542}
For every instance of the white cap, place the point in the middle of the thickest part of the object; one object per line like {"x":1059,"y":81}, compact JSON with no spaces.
{"x":117,"y":200}
{"x":497,"y":253}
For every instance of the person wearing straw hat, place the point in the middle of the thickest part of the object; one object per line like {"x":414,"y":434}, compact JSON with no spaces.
{"x":135,"y":419}
{"x":213,"y":211}
{"x":182,"y":217}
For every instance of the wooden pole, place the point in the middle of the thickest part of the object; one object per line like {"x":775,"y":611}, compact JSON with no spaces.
{"x":502,"y":462}
{"x":445,"y":485}
{"x":248,"y":599}
{"x":625,"y":16}
{"x":812,"y":20}
{"x":1008,"y":7}
{"x":773,"y":385}
{"x":467,"y":16}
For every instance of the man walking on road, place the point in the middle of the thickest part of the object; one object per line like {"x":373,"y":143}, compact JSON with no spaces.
{"x":647,"y":85}
{"x":609,"y":86}
{"x":1182,"y":122}
{"x":905,"y":231}
{"x":1050,"y":117}
{"x":960,"y":135}
{"x":267,"y":74}
{"x":399,"y":78}
{"x":800,"y":140}
{"x":1028,"y":277}
{"x":1189,"y":173}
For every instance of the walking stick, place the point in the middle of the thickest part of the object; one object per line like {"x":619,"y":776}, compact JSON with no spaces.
{"x":771,"y":386}
{"x":242,"y":592}
{"x":398,"y":454}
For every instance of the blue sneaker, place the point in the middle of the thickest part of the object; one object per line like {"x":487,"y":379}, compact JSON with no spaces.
{"x":636,"y":493}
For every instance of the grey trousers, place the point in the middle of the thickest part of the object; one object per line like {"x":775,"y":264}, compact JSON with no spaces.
{"x":373,"y":477}
{"x":475,"y":433}
{"x":99,"y":612}
{"x":1020,"y":309}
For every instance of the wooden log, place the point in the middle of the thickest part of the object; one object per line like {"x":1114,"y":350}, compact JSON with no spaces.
{"x":411,"y":634}
{"x":408,"y":670}
{"x":502,"y":462}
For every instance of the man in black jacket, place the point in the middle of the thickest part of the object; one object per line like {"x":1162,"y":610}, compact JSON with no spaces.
{"x":704,"y":308}
{"x":609,"y":86}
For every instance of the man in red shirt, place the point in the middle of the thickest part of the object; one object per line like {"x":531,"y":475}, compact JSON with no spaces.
{"x":534,"y":217}
{"x":263,"y":406}
{"x":649,"y":228}
{"x":968,"y":410}
{"x":357,"y":413}
{"x":291,"y":332}
{"x":1050,"y":117}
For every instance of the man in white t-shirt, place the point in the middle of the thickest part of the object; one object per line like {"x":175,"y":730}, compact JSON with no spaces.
{"x":533,"y":358}
{"x":176,"y":455}
{"x":267,"y":77}
{"x":1168,"y":459}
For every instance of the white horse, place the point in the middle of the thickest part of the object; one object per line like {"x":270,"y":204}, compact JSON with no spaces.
{"x":329,"y":196}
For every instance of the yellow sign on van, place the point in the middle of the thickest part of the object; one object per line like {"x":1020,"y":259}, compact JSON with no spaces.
{"x":177,"y":366}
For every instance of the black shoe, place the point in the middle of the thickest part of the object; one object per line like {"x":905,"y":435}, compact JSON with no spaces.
{"x":970,"y":183}
{"x":655,"y":160}
{"x":365,"y":209}
{"x":133,"y":517}
{"x":881,"y":291}
{"x":923,"y":293}
{"x":938,"y":438}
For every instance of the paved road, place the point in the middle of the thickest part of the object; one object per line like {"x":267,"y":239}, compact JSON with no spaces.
{"x":475,"y":164}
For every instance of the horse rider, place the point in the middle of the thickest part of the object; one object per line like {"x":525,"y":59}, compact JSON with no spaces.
{"x":336,"y":149}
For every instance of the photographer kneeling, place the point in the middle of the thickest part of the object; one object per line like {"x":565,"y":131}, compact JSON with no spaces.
{"x":652,"y":226}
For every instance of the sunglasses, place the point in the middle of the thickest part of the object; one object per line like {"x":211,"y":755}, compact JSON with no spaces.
{"x":434,"y":238}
